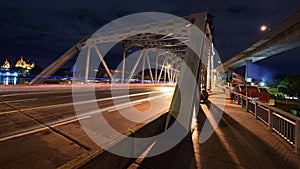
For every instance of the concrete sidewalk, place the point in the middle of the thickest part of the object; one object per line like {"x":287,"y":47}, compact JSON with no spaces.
{"x":239,"y":141}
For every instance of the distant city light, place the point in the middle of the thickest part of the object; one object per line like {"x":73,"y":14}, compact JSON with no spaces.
{"x":262,"y":84}
{"x":264,"y":28}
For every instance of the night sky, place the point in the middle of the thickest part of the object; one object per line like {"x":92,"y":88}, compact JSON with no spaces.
{"x":43,"y":30}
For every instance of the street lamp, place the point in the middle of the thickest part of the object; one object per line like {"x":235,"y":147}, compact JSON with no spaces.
{"x":264,"y":28}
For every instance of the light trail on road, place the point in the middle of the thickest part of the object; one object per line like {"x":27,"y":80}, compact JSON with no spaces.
{"x":76,"y":103}
{"x":73,"y":118}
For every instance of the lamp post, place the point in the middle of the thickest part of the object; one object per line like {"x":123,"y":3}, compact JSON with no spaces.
{"x":265,"y":28}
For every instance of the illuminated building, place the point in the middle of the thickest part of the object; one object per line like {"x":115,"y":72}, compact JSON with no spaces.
{"x":21,"y":63}
{"x":6,"y":64}
{"x":12,"y":75}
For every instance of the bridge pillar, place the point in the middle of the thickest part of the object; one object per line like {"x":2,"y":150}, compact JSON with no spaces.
{"x":87,"y":67}
{"x":124,"y":62}
{"x":143,"y":68}
{"x":193,"y":63}
{"x":270,"y":123}
{"x":156,"y":66}
{"x":210,"y":66}
{"x":255,"y":110}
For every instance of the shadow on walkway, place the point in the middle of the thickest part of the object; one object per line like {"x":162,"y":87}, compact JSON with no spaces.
{"x":231,"y":146}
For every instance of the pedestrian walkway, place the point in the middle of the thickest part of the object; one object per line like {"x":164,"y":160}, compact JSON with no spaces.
{"x":240,"y":141}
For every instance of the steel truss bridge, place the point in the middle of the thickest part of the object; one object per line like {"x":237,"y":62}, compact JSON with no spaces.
{"x":183,"y":51}
{"x":169,"y":43}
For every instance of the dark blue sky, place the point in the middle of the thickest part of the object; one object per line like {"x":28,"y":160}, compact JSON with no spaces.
{"x":43,"y":30}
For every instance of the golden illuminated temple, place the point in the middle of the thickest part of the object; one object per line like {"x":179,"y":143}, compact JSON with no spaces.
{"x":6,"y":64}
{"x":20,"y":63}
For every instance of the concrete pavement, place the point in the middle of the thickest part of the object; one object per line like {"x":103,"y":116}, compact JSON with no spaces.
{"x":39,"y":129}
{"x":239,"y":141}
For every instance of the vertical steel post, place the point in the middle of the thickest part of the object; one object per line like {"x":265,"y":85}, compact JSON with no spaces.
{"x":165,"y":74}
{"x":149,"y":66}
{"x":297,"y":137}
{"x":87,"y":67}
{"x":143,"y":68}
{"x":270,"y":119}
{"x":124,"y":63}
{"x":156,"y":66}
{"x":255,"y":109}
{"x":247,"y":104}
{"x":162,"y":68}
{"x":208,"y":75}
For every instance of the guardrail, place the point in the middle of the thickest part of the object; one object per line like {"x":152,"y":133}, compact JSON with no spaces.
{"x":286,"y":125}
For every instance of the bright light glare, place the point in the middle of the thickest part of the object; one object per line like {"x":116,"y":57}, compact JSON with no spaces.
{"x":262,"y":84}
{"x":167,"y":89}
{"x":188,"y":25}
{"x":263,"y":28}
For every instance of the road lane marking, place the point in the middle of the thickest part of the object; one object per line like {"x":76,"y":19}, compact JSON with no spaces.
{"x":77,"y":103}
{"x":47,"y":92}
{"x":31,"y":93}
{"x":23,"y":134}
{"x":126,"y":104}
{"x":57,"y":97}
{"x":20,"y":100}
{"x":84,"y":116}
{"x":123,"y":107}
{"x":50,"y":91}
{"x":42,"y":128}
{"x":69,"y":121}
{"x":109,"y":92}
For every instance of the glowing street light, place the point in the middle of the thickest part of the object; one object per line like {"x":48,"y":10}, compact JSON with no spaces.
{"x":262,"y":84}
{"x":264,"y":28}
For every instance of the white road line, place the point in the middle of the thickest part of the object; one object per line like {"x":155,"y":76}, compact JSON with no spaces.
{"x":57,"y":97}
{"x":65,"y":91}
{"x":70,"y":121}
{"x":78,"y":103}
{"x":123,"y":107}
{"x":84,"y":116}
{"x":47,"y":92}
{"x":20,"y":100}
{"x":109,"y":92}
{"x":31,"y":93}
{"x":23,"y":134}
{"x":126,"y":104}
{"x":41,"y":129}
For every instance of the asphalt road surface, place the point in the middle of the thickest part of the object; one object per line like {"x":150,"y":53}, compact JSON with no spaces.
{"x":39,"y":127}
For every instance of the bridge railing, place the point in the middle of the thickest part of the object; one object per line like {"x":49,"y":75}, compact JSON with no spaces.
{"x":286,"y":125}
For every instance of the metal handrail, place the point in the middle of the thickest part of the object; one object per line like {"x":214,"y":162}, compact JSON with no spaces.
{"x":285,"y":119}
{"x":286,"y":125}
